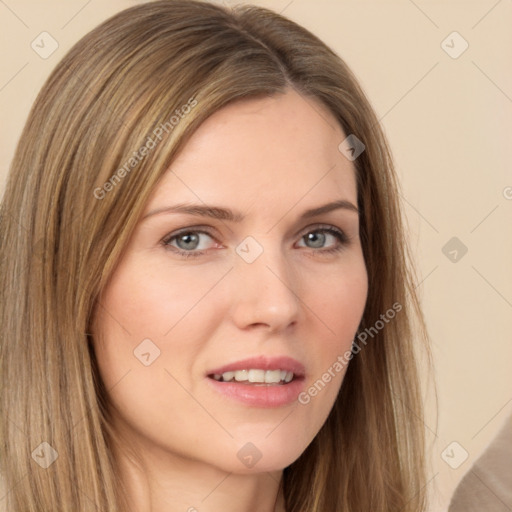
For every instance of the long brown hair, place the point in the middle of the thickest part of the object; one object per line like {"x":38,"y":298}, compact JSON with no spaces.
{"x":69,"y":210}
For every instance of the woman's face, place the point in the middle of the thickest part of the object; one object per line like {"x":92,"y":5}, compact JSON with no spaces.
{"x":197,"y":294}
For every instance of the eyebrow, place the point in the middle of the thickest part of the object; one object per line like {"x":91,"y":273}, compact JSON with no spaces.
{"x":220,"y":213}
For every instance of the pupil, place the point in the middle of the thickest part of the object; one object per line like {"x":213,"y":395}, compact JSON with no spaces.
{"x":189,"y":237}
{"x":313,"y":236}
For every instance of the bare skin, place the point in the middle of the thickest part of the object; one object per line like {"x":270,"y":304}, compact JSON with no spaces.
{"x":270,"y":160}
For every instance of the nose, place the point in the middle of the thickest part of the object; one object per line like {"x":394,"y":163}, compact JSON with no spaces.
{"x":264,"y":292}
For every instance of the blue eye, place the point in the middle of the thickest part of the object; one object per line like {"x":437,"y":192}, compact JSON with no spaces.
{"x":312,"y":236}
{"x":187,"y":242}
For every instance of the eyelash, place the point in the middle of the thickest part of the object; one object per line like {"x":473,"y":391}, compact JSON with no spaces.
{"x":342,"y":238}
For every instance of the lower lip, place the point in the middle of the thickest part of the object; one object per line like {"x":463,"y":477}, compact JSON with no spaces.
{"x":267,"y":396}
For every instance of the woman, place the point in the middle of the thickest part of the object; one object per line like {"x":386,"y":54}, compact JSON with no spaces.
{"x":207,"y":299}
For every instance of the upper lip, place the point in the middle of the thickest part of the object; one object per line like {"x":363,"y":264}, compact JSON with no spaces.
{"x":263,"y":363}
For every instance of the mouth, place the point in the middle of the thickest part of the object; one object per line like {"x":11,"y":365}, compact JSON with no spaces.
{"x":260,"y":381}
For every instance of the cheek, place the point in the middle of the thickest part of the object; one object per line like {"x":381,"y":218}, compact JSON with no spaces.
{"x":336,"y":305}
{"x":161,"y":311}
{"x":151,"y":302}
{"x":160,"y":319}
{"x":337,"y":300}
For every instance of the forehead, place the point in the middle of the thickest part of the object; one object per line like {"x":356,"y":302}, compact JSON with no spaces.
{"x":270,"y":152}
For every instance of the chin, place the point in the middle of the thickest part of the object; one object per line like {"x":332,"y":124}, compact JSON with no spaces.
{"x":258,"y":455}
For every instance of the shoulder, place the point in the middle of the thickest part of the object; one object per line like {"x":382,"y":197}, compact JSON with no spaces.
{"x":488,"y":483}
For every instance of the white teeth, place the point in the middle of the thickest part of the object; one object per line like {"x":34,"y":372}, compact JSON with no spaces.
{"x":240,"y":375}
{"x":256,"y":376}
{"x":228,"y":375}
{"x":272,"y":376}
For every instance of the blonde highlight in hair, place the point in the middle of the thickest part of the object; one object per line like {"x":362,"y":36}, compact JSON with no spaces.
{"x":60,"y":245}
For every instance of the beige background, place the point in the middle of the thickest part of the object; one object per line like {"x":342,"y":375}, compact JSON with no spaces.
{"x":449,"y":122}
